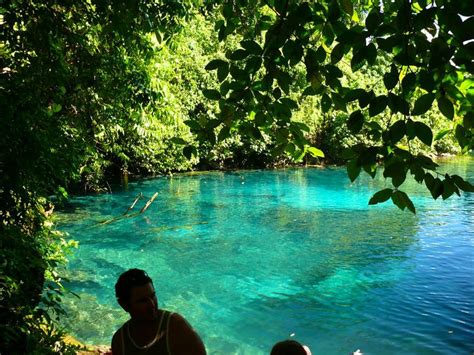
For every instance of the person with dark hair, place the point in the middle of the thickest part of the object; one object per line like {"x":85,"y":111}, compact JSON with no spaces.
{"x":150,"y":330}
{"x":290,"y":347}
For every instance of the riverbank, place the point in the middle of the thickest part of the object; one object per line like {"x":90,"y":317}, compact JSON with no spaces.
{"x":87,"y":349}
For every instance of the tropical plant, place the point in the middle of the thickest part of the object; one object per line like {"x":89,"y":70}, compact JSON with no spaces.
{"x":74,"y":75}
{"x":429,"y":46}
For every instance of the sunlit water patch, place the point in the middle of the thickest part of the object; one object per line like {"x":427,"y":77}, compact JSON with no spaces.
{"x":251,"y":257}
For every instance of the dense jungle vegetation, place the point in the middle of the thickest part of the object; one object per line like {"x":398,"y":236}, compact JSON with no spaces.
{"x":95,"y":89}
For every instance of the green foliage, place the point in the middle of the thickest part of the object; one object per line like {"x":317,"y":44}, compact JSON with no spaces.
{"x":31,"y":290}
{"x":78,"y":97}
{"x":416,"y":52}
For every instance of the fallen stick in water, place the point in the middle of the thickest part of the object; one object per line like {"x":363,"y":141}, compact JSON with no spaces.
{"x":150,"y":201}
{"x":139,"y":196}
{"x":126,"y":215}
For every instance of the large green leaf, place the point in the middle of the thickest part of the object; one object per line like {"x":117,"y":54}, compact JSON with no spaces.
{"x":353,"y":169}
{"x":370,"y":169}
{"x":435,"y":185}
{"x":468,"y":120}
{"x":211,"y":94}
{"x":410,"y":129}
{"x":337,"y":53}
{"x":178,"y":141}
{"x":223,"y":133}
{"x":289,"y":48}
{"x":239,"y":74}
{"x":251,"y":46}
{"x":194,"y":125}
{"x":253,"y":64}
{"x":397,"y":131}
{"x":462,"y":135}
{"x":365,"y":98}
{"x":189,"y":151}
{"x":395,"y":169}
{"x":355,"y":121}
{"x":446,"y":107}
{"x":378,"y":105}
{"x":390,"y":79}
{"x":333,"y":71}
{"x":426,"y":80}
{"x":402,"y":201}
{"x":371,"y":54}
{"x":328,"y":34}
{"x":449,"y":188}
{"x":358,"y":58}
{"x":409,"y":82}
{"x":238,"y":54}
{"x":216,"y":63}
{"x":462,"y":184}
{"x":293,"y":51}
{"x":398,"y":104}
{"x":321,"y":54}
{"x":315,"y":152}
{"x":373,"y":20}
{"x":380,"y":196}
{"x":354,"y":94}
{"x":426,"y":162}
{"x":338,"y":101}
{"x":424,"y":133}
{"x":398,"y":177}
{"x":326,"y":103}
{"x":284,"y":81}
{"x":311,"y":60}
{"x":289,"y":102}
{"x":222,"y":72}
{"x":442,"y":133}
{"x":423,"y":104}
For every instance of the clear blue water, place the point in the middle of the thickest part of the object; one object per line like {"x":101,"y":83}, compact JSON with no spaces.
{"x":253,"y":256}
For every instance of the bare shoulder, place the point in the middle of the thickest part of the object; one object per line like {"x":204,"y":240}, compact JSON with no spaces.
{"x":178,"y":321}
{"x":183,"y":338}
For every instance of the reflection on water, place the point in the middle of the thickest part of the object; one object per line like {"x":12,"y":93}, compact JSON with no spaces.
{"x":250,"y":258}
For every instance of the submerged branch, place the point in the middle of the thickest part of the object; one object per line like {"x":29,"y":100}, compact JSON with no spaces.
{"x":139,"y":196}
{"x":126,"y":213}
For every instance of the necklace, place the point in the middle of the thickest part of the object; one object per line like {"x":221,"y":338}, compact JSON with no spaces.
{"x":146,"y":346}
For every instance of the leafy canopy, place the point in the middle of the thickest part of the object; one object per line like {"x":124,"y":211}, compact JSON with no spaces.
{"x":429,"y":44}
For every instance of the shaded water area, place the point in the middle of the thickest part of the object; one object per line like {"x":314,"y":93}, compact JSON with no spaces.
{"x":251,"y":257}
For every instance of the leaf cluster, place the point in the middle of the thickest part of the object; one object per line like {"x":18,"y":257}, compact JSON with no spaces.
{"x":430,"y":67}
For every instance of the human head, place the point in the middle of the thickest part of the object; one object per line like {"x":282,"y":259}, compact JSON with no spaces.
{"x":290,"y":347}
{"x":125,"y":283}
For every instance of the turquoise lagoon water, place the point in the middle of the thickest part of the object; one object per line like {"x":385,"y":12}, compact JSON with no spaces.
{"x":253,"y":257}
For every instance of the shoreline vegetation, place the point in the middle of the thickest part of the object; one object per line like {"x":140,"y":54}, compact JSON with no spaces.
{"x":126,"y":177}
